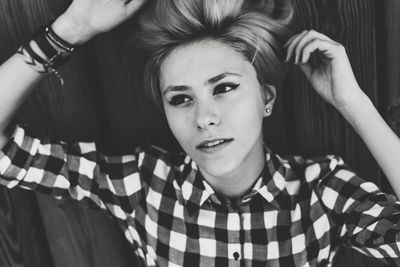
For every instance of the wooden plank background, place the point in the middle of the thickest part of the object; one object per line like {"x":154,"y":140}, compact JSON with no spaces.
{"x":102,"y":100}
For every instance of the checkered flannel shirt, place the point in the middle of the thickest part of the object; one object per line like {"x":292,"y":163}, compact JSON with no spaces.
{"x":297,"y":214}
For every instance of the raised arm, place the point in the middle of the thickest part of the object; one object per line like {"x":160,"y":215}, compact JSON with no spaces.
{"x":334,"y":80}
{"x":80,"y":22}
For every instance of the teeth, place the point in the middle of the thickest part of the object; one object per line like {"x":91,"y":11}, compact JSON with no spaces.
{"x":214,"y":143}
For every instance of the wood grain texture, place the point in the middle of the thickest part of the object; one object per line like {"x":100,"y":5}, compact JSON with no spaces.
{"x":315,"y":127}
{"x":70,"y":113}
{"x":388,"y":55}
{"x":83,"y":236}
{"x":23,"y":242}
{"x":391,"y":53}
{"x":103,"y":100}
{"x":23,"y":239}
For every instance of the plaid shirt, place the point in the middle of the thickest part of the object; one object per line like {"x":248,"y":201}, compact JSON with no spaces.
{"x":297,"y":214}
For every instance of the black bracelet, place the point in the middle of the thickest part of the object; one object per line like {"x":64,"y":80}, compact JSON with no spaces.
{"x":44,"y":44}
{"x":57,"y":39}
{"x":35,"y":56}
{"x":55,"y":58}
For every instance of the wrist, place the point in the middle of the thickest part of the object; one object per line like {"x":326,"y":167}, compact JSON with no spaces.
{"x":358,"y":110}
{"x":69,"y":31}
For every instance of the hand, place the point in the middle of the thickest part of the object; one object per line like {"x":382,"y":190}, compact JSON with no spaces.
{"x":87,"y":18}
{"x":332,"y":76}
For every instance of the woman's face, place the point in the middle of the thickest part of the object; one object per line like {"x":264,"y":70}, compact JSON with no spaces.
{"x":214,"y":107}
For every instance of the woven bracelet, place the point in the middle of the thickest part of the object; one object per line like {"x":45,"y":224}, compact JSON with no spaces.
{"x":56,"y":51}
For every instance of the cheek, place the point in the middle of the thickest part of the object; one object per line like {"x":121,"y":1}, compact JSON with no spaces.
{"x":178,"y":123}
{"x":247,"y":109}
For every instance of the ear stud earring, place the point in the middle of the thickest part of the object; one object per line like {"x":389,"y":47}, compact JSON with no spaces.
{"x":268,"y":110}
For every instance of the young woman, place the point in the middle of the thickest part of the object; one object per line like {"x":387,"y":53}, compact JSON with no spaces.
{"x":228,"y":200}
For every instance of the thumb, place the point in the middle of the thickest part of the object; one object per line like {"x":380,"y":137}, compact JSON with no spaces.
{"x":307,"y":69}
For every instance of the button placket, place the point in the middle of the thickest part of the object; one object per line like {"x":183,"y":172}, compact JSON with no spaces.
{"x":234,"y":225}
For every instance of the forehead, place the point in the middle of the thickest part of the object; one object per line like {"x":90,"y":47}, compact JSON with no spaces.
{"x":197,"y":62}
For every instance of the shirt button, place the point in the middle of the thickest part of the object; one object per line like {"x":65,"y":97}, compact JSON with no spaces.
{"x":236,"y":256}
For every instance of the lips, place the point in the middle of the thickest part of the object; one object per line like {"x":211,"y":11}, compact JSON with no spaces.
{"x":212,"y":144}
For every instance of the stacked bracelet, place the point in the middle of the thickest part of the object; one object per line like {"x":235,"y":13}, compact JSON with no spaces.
{"x":56,"y":51}
{"x":58,"y":41}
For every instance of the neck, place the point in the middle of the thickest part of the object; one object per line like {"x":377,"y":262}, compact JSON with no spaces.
{"x":241,"y":180}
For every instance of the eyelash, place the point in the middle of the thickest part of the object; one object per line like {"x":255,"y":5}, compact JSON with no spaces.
{"x":233,"y":86}
{"x":180,"y":99}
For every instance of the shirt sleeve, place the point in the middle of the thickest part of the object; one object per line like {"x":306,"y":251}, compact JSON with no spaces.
{"x":367,"y":219}
{"x":78,"y":170}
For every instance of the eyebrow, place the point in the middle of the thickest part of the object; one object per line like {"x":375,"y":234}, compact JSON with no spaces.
{"x":181,"y":88}
{"x":177,"y":88}
{"x":220,"y":77}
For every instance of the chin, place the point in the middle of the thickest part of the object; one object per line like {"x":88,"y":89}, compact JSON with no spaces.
{"x":223,"y":167}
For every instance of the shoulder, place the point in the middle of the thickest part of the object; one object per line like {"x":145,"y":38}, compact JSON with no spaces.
{"x":309,"y":169}
{"x":340,"y":188}
{"x":329,"y":173}
{"x":310,"y":173}
{"x":333,"y":174}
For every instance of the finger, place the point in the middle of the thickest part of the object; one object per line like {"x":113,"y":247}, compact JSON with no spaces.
{"x":292,"y":44}
{"x":328,"y":49}
{"x":306,"y":39}
{"x":307,"y":69}
{"x":308,"y":49}
{"x":290,"y":39}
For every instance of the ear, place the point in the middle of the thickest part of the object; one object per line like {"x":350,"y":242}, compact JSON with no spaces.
{"x":269,"y":99}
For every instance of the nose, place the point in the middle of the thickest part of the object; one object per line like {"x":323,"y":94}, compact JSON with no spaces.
{"x":206,"y":116}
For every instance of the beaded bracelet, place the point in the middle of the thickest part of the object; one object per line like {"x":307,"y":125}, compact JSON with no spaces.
{"x":56,"y":50}
{"x":36,"y":62}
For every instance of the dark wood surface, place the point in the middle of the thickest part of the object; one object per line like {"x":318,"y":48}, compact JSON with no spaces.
{"x":390,"y":53}
{"x":102,"y":100}
{"x":64,"y":234}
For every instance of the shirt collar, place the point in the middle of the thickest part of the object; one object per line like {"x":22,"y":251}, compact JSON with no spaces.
{"x":273,"y":186}
{"x":270,"y":185}
{"x":194,"y":191}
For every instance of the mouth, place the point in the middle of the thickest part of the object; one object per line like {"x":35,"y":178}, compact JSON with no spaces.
{"x":214,"y":144}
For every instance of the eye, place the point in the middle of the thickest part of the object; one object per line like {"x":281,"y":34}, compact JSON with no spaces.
{"x":224,"y":88}
{"x":179,"y":99}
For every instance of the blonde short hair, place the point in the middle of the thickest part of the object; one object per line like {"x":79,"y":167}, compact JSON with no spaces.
{"x":255,"y":28}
